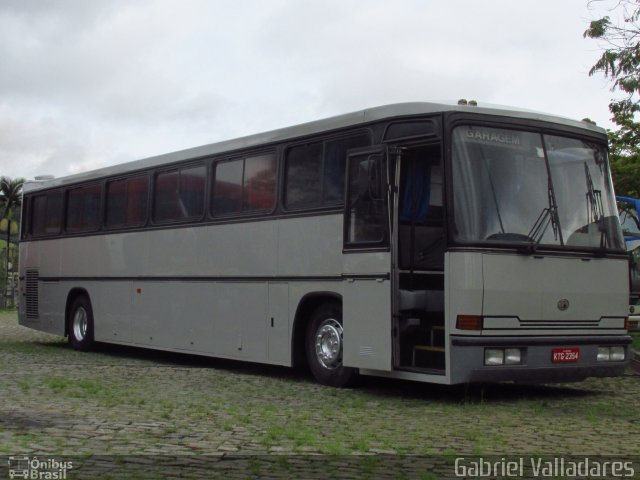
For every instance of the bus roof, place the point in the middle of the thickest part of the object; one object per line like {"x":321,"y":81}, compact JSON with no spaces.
{"x":361,"y":117}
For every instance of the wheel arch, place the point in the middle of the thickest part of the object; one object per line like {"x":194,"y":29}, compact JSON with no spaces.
{"x":307,"y":304}
{"x":74,"y":293}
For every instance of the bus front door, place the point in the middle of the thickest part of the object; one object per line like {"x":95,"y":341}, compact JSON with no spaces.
{"x":367,"y":263}
{"x":419,"y":247}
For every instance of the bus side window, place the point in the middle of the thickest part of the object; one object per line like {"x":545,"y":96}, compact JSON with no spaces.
{"x":259,"y":185}
{"x":137,"y":200}
{"x":127,"y":201}
{"x":83,"y":208}
{"x":116,"y":203}
{"x":166,"y":196}
{"x":46,"y":214}
{"x":227,"y":189}
{"x":179,"y":194}
{"x":244,"y":185}
{"x":191,"y":196}
{"x":303,"y":174}
{"x":335,"y":160}
{"x":314,"y":172}
{"x":366,"y":214}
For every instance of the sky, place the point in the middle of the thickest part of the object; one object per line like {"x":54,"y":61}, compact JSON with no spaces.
{"x":88,"y":84}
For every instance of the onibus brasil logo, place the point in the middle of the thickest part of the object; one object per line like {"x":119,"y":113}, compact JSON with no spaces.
{"x":38,"y":468}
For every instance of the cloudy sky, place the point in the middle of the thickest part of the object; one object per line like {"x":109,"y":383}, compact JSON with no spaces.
{"x":85,"y":84}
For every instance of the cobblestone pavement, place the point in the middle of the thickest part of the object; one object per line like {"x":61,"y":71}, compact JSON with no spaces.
{"x":124,"y":401}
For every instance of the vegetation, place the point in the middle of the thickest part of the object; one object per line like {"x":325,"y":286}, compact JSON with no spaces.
{"x":10,"y":203}
{"x":620,"y":63}
{"x":635,"y":337}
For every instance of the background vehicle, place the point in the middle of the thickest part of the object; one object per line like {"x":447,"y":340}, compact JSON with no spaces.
{"x":430,"y":242}
{"x":628,"y":209}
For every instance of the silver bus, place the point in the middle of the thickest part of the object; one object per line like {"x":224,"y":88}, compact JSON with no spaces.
{"x":444,"y":243}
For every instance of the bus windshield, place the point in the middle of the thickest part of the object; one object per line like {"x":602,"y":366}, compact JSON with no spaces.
{"x":528,"y":189}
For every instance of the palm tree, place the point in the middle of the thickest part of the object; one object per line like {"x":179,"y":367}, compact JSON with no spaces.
{"x":10,"y":200}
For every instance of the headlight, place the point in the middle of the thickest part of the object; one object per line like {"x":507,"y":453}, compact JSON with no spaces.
{"x":611,"y":354}
{"x":604,"y":354}
{"x":512,"y":356}
{"x":502,"y":356}
{"x":617,"y":354}
{"x":494,"y":356}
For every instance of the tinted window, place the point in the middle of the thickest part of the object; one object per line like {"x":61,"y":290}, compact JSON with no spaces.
{"x":303,"y":174}
{"x":259,"y":183}
{"x":409,"y":129}
{"x":192,"y":181}
{"x":227,"y":191}
{"x":315,"y":172}
{"x":245,"y":184}
{"x":127,"y":202}
{"x":179,"y":194}
{"x":366,"y":220}
{"x":137,"y":200}
{"x":116,"y":203}
{"x":166,"y":196}
{"x":47,"y":213}
{"x":335,"y":161}
{"x":83,"y":208}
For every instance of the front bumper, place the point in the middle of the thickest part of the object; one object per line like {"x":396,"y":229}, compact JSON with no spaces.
{"x":467,"y":359}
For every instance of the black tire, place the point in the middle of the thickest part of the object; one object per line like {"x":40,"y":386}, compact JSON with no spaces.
{"x":324,"y":347}
{"x":80,"y":325}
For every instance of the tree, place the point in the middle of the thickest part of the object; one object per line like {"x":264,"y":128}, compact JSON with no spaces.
{"x":10,"y":202}
{"x":620,"y":62}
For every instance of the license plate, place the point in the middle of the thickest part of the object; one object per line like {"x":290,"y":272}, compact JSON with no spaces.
{"x":565,"y":355}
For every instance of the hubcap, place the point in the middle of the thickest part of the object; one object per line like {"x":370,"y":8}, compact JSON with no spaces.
{"x":80,"y":323}
{"x":329,"y":344}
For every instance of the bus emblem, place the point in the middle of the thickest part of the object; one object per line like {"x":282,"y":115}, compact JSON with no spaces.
{"x":563,"y":304}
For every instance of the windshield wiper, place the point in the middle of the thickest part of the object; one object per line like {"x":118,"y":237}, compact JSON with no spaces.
{"x":493,"y":192}
{"x":536,"y":233}
{"x":595,"y":210}
{"x":549,"y":215}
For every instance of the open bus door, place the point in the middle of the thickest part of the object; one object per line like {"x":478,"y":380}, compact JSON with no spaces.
{"x":367,"y":263}
{"x":418,"y":252}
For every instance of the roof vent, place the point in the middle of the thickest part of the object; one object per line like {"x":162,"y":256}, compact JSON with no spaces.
{"x":462,"y":101}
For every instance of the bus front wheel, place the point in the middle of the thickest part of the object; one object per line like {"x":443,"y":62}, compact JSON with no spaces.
{"x":324,"y":346}
{"x":81,"y":324}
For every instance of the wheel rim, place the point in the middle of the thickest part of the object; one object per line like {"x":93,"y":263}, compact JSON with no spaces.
{"x":80,"y":323}
{"x":329,"y":344}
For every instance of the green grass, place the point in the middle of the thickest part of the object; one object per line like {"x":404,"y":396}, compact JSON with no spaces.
{"x":635,"y":340}
{"x":81,"y":388}
{"x":35,"y":348}
{"x":107,"y":394}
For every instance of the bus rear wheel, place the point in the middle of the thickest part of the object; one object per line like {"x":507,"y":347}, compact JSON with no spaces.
{"x":81,"y":324}
{"x":324,"y":347}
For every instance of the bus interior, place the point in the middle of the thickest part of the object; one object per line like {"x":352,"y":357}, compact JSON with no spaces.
{"x":420,"y":324}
